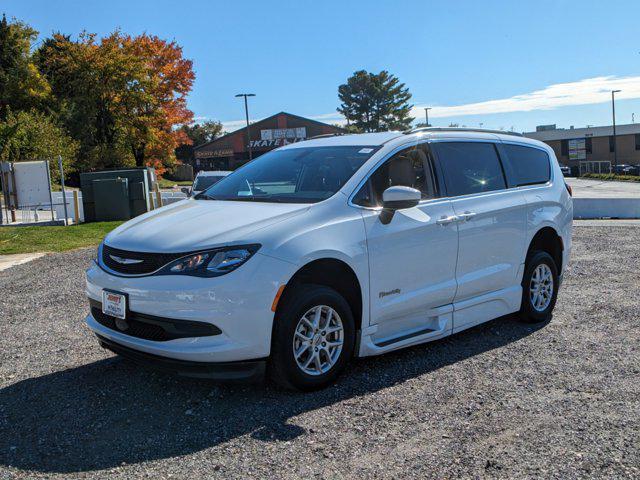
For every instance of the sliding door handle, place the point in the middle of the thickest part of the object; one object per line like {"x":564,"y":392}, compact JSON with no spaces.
{"x":445,"y":220}
{"x":463,"y":217}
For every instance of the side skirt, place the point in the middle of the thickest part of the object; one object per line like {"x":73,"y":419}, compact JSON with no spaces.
{"x":438,"y":325}
{"x":445,"y":321}
{"x":481,"y":309}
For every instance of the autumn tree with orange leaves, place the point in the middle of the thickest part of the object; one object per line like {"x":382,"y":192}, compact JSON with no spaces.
{"x":122,"y":97}
{"x":170,"y":78}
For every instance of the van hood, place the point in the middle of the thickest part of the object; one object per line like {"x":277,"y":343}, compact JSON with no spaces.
{"x":197,"y":224}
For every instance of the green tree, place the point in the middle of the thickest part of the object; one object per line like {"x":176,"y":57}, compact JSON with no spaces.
{"x":122,"y":97}
{"x":33,"y":135}
{"x":349,"y":128}
{"x":375,"y":102}
{"x":87,"y":83}
{"x":197,"y":134}
{"x":21,"y":85}
{"x":204,"y":132}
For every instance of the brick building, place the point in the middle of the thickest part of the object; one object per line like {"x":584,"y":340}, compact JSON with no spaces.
{"x":591,"y":145}
{"x":231,"y":150}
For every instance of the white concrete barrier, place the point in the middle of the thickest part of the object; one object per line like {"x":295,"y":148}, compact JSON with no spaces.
{"x":58,"y":205}
{"x":587,"y":208}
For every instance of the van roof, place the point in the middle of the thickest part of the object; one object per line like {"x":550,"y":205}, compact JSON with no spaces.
{"x":396,"y":137}
{"x":357,"y":139}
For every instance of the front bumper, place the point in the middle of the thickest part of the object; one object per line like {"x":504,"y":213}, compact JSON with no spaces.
{"x":229,"y":371}
{"x":238,"y":304}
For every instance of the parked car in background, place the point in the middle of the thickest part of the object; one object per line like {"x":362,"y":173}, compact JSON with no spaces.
{"x":204,"y":179}
{"x":336,"y":247}
{"x":625,"y":169}
{"x":566,"y":171}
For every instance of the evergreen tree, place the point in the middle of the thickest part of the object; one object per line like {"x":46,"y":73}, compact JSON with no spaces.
{"x":375,"y":102}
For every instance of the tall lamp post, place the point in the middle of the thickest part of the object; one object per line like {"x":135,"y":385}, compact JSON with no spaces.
{"x":426,"y":114}
{"x":615,"y":146}
{"x":246,"y":114}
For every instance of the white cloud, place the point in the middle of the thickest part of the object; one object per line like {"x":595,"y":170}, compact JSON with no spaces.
{"x":233,"y":125}
{"x":582,"y":92}
{"x":330,"y":118}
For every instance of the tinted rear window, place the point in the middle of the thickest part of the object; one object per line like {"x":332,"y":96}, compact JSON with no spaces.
{"x":529,"y":165}
{"x":470,"y":167}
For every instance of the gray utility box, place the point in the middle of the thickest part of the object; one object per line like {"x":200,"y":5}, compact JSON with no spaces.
{"x":116,"y":194}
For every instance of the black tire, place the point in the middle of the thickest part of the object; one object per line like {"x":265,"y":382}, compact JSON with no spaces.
{"x":283,"y":368}
{"x":528,"y":312}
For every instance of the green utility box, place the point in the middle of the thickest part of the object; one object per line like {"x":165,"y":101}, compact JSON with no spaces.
{"x":111,"y":197}
{"x":116,"y":194}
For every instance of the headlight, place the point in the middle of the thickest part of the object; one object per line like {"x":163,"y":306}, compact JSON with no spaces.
{"x":189,"y":264}
{"x":212,"y":263}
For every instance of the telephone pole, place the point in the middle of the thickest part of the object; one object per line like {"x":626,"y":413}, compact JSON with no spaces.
{"x":426,"y":114}
{"x":615,"y":146}
{"x":246,"y":114}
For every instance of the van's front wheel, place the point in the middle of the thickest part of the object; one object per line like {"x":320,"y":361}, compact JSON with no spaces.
{"x":313,"y":338}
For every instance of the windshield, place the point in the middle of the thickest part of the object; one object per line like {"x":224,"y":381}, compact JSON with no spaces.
{"x":202,"y":183}
{"x":296,"y":175}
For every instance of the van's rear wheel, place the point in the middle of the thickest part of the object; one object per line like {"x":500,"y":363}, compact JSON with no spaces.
{"x":539,"y":287}
{"x":313,"y":338}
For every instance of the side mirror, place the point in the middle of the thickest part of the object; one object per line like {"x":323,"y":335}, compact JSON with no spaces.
{"x":186,"y":191}
{"x":398,"y":198}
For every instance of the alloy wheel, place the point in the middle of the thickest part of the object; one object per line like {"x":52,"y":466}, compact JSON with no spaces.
{"x":318,"y":340}
{"x":541,"y":287}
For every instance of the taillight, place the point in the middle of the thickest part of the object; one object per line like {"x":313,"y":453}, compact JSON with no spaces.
{"x":569,"y":189}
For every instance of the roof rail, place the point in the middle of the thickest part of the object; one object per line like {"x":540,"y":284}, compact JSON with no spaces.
{"x":327,"y":135}
{"x":461,"y":129}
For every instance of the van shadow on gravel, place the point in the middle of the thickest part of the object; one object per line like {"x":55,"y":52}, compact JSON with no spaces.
{"x":111,"y":412}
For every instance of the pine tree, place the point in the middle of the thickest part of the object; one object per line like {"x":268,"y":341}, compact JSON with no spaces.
{"x":375,"y":102}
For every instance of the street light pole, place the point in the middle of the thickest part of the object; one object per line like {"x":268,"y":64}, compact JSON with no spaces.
{"x":426,"y":114}
{"x":246,"y":114}
{"x":615,"y":146}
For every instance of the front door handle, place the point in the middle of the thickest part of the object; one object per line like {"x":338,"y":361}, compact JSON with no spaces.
{"x":445,"y":220}
{"x":463,"y":217}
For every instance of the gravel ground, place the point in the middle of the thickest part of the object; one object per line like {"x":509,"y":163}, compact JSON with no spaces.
{"x":505,"y":400}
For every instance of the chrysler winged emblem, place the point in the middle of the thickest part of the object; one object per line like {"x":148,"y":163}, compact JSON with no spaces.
{"x":124,"y":261}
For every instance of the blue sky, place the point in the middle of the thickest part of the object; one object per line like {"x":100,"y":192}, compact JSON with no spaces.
{"x":500,"y":63}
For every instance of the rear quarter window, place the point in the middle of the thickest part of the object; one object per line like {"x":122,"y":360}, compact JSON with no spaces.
{"x":529,"y":166}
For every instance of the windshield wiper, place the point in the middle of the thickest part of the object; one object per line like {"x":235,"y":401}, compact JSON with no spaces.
{"x":254,"y":198}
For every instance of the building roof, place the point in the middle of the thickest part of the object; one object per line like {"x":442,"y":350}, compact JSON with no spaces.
{"x":264,"y":120}
{"x":569,"y":133}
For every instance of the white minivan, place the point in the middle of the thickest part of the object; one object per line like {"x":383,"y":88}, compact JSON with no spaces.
{"x":204,"y":179}
{"x":333,"y":248}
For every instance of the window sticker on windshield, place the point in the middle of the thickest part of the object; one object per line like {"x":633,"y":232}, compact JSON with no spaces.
{"x":365,"y":150}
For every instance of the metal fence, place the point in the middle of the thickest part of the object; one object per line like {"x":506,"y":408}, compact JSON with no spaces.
{"x":44,"y":213}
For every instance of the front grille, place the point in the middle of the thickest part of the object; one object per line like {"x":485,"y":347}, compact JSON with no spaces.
{"x":149,"y":327}
{"x":150,"y":262}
